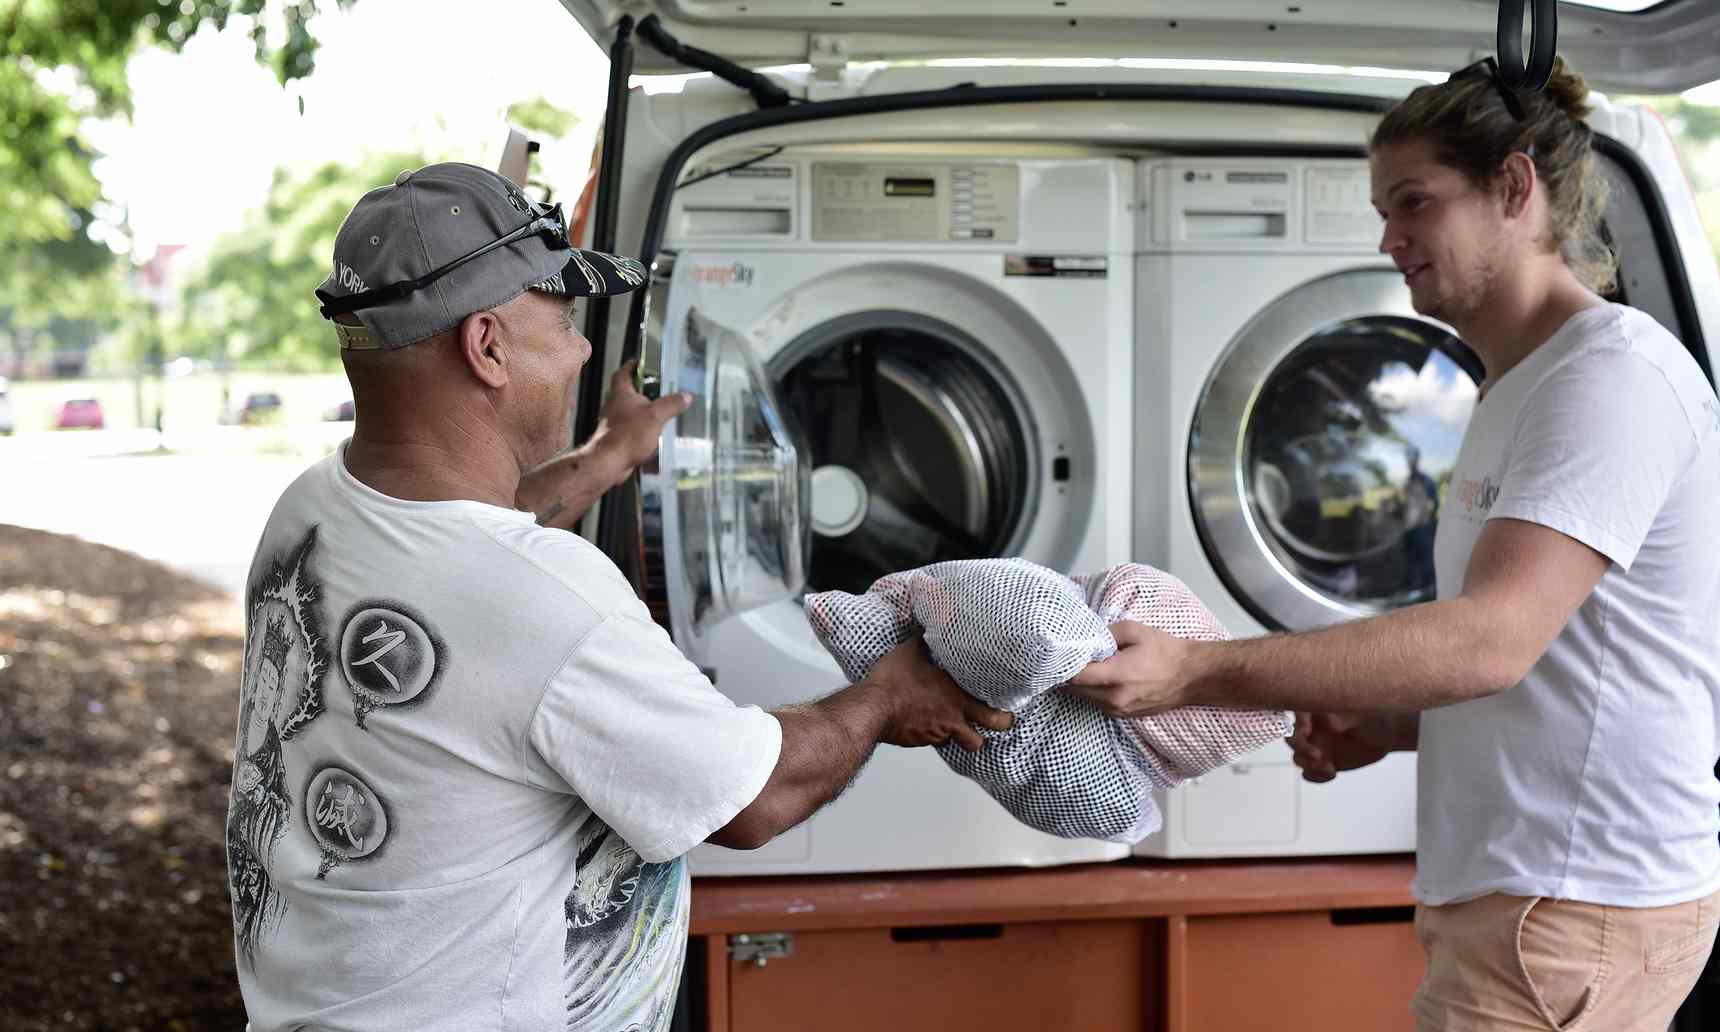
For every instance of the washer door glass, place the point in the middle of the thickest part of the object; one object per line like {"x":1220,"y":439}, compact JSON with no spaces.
{"x":917,"y":445}
{"x":730,"y":485}
{"x":1346,"y":453}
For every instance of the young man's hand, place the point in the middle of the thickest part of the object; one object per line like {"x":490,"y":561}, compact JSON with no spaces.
{"x":1325,"y":743}
{"x":1149,"y":673}
{"x":925,"y":705}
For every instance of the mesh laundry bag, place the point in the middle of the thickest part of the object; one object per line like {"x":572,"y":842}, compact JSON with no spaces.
{"x":1009,"y":632}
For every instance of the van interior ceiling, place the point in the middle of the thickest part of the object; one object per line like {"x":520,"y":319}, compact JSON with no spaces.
{"x":1639,"y":224}
{"x":1119,"y":115}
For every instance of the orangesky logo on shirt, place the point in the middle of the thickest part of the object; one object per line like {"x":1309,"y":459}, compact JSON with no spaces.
{"x":1477,"y":494}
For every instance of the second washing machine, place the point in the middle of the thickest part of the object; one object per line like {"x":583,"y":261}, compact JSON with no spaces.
{"x":1298,"y":422}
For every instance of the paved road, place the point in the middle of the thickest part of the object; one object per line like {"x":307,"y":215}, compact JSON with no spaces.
{"x":200,"y":512}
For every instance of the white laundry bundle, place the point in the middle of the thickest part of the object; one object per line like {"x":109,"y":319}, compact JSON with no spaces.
{"x":1010,"y":632}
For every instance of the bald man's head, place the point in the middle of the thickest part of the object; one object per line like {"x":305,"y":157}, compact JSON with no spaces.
{"x":506,"y":373}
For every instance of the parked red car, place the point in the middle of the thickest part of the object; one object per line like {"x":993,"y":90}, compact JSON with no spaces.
{"x":79,"y":413}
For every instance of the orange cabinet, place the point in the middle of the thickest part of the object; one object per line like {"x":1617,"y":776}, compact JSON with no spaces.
{"x":1078,"y":975}
{"x":1332,"y":970}
{"x":1163,"y":947}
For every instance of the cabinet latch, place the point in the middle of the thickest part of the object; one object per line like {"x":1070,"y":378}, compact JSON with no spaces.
{"x":759,"y":948}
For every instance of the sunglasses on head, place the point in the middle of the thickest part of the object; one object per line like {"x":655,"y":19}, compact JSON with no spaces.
{"x":1490,"y":68}
{"x":547,"y":223}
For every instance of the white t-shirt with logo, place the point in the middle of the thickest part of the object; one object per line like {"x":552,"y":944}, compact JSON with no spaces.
{"x":466,"y":768}
{"x":1592,"y":779}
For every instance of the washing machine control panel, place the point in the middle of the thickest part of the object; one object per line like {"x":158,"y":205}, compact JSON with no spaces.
{"x":1339,"y":207}
{"x":914,"y":202}
{"x":1259,"y":205}
{"x":1224,"y":204}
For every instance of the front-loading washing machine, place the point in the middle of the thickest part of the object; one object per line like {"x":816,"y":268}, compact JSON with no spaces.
{"x":1299,"y":422}
{"x":946,"y":345}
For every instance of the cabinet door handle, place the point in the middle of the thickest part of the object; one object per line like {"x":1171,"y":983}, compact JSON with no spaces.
{"x":947,"y":933}
{"x":1372,"y":916}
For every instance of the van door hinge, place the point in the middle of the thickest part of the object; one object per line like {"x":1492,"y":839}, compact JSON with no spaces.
{"x":759,"y":948}
{"x":828,"y":56}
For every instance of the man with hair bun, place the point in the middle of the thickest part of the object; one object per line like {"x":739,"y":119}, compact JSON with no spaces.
{"x":1563,"y":691}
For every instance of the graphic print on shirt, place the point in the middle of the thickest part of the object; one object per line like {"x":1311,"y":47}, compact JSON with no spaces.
{"x":622,"y":959}
{"x":388,"y":657}
{"x":285,"y":658}
{"x":1477,"y":494}
{"x":346,"y":817}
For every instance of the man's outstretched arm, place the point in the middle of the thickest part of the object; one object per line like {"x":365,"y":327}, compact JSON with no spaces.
{"x":905,"y":701}
{"x":562,"y":490}
{"x":1523,"y":584}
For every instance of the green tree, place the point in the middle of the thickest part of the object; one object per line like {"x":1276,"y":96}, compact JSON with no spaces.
{"x":540,"y":117}
{"x":1696,"y":128}
{"x":1698,"y":123}
{"x":65,"y":59}
{"x":541,"y":120}
{"x":57,"y":293}
{"x":60,"y":62}
{"x":252,"y":301}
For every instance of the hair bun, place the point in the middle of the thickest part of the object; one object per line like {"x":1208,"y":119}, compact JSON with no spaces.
{"x":1567,"y":90}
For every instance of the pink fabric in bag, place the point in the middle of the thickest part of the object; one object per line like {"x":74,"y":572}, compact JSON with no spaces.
{"x":1187,"y":742}
{"x":1010,"y":633}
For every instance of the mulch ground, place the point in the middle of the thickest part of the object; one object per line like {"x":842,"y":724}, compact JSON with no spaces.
{"x":118,"y":700}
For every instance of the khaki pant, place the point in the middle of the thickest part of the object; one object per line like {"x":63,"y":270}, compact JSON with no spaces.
{"x":1513,"y":963}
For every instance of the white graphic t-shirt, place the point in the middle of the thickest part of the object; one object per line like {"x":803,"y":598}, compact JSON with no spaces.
{"x":1592,"y":779}
{"x":466,"y":769}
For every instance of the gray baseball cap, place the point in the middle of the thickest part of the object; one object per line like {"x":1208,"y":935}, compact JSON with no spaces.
{"x":417,"y":256}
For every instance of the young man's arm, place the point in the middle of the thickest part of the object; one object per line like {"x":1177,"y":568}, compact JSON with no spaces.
{"x":905,"y":701}
{"x":560,"y":491}
{"x":1523,"y":583}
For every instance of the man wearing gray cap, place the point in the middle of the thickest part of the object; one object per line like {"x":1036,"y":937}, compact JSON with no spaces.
{"x":467,"y":762}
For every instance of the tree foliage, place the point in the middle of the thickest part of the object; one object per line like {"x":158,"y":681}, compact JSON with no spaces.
{"x":1697,"y":123}
{"x":64,"y":59}
{"x":253,"y":300}
{"x":60,"y":62}
{"x":1696,"y":127}
{"x":540,"y":117}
